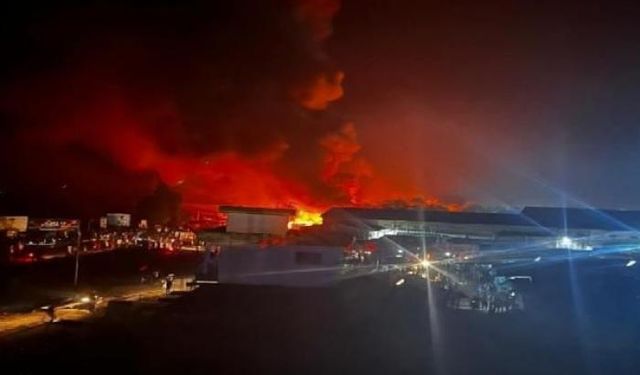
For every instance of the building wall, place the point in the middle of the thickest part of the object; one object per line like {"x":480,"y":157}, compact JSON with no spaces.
{"x":281,"y":265}
{"x":240,"y":222}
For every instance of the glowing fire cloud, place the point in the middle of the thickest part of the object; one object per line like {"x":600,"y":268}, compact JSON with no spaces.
{"x":305,"y":218}
{"x":244,"y":131}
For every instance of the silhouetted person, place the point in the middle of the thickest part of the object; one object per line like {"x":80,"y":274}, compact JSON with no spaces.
{"x":168,"y":283}
{"x":51,"y":313}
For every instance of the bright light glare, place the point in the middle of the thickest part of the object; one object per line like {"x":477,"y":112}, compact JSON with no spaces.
{"x":569,"y":243}
{"x":399,"y":282}
{"x":630,"y":263}
{"x":305,"y":218}
{"x":85,"y":299}
{"x":425,"y":263}
{"x":537,"y":259}
{"x":447,"y":254}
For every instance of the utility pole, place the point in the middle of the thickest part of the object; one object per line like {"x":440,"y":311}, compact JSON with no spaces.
{"x":77,"y":268}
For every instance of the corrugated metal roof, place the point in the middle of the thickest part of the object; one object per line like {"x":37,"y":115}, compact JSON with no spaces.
{"x":546,"y":217}
{"x":584,"y":218}
{"x":413,"y":214}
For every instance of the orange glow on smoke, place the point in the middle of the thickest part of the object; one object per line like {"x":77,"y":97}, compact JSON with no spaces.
{"x":321,"y":90}
{"x":263,"y":179}
{"x":292,"y":157}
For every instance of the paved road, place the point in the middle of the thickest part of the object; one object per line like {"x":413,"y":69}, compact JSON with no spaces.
{"x":12,"y":323}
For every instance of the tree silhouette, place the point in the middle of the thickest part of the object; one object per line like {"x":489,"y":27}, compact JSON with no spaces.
{"x":161,"y":207}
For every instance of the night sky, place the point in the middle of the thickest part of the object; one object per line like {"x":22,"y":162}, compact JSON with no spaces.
{"x":312,"y":103}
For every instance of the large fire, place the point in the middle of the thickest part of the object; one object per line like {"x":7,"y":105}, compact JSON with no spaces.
{"x":244,"y":123}
{"x":305,"y":218}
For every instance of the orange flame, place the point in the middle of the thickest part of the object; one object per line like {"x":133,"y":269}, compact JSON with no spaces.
{"x":305,"y":218}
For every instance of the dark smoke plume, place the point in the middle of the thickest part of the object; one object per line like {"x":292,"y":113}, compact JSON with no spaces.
{"x":223,"y":101}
